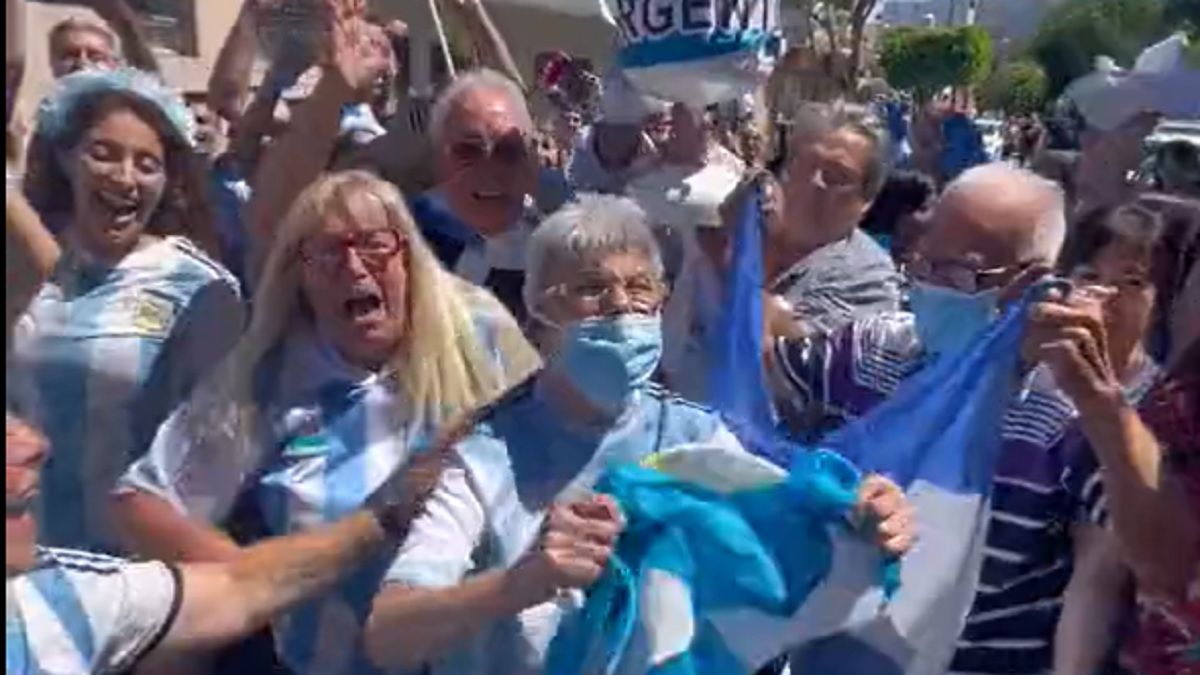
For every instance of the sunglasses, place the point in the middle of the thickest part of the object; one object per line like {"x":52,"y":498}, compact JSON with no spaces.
{"x":512,"y":150}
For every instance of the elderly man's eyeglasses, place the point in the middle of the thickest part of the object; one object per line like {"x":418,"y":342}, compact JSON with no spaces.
{"x":328,"y":252}
{"x":640,"y":293}
{"x":962,"y":276}
{"x":513,"y":150}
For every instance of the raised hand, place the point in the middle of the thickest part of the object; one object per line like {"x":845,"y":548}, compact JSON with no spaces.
{"x":885,"y":515}
{"x":1068,"y":335}
{"x":576,"y":542}
{"x":358,"y":52}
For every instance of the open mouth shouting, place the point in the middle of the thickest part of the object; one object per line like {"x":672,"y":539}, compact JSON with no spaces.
{"x":122,"y":210}
{"x":365,"y":305}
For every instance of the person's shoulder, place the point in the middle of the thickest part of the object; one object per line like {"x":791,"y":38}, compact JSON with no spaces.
{"x":187,"y":263}
{"x":78,"y":562}
{"x":869,"y":249}
{"x":889,"y":334}
{"x":683,"y":411}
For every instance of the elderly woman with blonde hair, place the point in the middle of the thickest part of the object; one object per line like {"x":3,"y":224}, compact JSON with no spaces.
{"x":360,"y":349}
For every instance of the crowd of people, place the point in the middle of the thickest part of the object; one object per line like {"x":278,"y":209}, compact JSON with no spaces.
{"x":318,"y":375}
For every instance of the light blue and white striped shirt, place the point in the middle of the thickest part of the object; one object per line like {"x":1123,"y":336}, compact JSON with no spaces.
{"x":331,"y":435}
{"x":488,"y":509}
{"x":102,"y":357}
{"x":78,"y":613}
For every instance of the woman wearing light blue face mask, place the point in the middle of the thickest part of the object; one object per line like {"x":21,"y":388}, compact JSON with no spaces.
{"x":513,"y":532}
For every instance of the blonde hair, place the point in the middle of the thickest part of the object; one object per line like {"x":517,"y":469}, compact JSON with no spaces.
{"x":441,"y":364}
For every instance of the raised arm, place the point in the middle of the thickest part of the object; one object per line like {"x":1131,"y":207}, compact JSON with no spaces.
{"x":31,"y":254}
{"x":486,"y":38}
{"x":1072,"y":341}
{"x":356,"y":59}
{"x":229,"y":84}
{"x":222,"y":602}
{"x":124,"y":22}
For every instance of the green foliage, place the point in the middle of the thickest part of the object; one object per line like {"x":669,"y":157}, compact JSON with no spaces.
{"x":925,"y":60}
{"x":1183,"y":15}
{"x":1018,"y":87}
{"x":1073,"y":34}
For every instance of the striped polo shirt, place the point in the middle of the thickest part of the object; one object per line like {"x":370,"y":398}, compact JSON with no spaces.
{"x":101,"y":357}
{"x":329,"y":436}
{"x":80,"y":613}
{"x":1044,"y":482}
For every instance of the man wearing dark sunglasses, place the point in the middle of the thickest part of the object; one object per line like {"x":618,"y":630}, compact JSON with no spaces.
{"x":486,"y":165}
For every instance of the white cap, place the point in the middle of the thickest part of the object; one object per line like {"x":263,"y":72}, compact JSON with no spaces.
{"x":679,"y":196}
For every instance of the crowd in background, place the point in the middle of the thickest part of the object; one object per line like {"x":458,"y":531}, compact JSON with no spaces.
{"x":338,"y":364}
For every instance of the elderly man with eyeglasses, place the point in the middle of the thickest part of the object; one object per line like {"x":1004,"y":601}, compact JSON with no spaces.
{"x":475,"y":217}
{"x":1047,"y":553}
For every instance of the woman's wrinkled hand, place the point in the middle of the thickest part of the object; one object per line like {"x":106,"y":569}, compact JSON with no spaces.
{"x":885,"y":515}
{"x":576,"y":542}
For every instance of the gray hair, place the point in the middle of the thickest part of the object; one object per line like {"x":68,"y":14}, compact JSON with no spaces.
{"x":824,"y":118}
{"x":1050,"y":227}
{"x":592,"y":225}
{"x":483,"y":78}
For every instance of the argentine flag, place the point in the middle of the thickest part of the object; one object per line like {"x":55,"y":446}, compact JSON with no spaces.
{"x":729,"y":561}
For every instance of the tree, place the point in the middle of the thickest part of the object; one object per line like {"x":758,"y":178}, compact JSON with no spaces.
{"x":1017,"y":87}
{"x":1183,"y":15}
{"x":927,"y":60}
{"x":836,"y":31}
{"x":1073,"y":34}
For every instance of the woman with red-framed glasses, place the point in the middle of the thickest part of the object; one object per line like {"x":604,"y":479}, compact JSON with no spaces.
{"x":362,"y":346}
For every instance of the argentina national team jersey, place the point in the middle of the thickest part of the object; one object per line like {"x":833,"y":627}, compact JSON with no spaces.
{"x":1045,"y":482}
{"x":78,"y":613}
{"x":100,"y":359}
{"x":332,"y":434}
{"x":488,"y":509}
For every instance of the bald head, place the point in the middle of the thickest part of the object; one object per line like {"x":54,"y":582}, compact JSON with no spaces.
{"x":995,"y":215}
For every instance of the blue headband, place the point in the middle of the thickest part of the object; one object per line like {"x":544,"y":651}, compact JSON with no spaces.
{"x":57,"y":113}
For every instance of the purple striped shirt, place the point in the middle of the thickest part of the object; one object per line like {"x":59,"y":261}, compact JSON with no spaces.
{"x":1044,"y":483}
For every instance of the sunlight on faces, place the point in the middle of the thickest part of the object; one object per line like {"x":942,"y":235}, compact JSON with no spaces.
{"x":81,"y":48}
{"x":487,"y":165}
{"x":354,"y":276}
{"x":24,"y":453}
{"x":824,"y":186}
{"x":1124,"y":266}
{"x":118,"y":177}
{"x":617,"y":282}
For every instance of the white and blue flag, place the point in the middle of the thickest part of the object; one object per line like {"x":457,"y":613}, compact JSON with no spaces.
{"x":714,"y":578}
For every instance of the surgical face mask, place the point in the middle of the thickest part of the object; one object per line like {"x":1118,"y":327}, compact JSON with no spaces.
{"x":948,"y":320}
{"x":609,"y":358}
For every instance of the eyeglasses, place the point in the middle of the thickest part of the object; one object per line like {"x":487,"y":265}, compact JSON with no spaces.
{"x":642,"y":292}
{"x":1126,"y":283}
{"x":512,"y":149}
{"x":960,"y":275}
{"x":327,"y":252}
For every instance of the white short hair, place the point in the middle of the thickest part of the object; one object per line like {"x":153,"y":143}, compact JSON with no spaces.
{"x":591,"y":225}
{"x":483,"y":78}
{"x":1050,"y":227}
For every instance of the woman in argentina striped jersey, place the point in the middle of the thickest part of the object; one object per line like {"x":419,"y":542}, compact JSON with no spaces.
{"x":360,"y":348}
{"x":135,"y":309}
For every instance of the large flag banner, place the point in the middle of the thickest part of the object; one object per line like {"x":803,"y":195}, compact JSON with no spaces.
{"x":697,"y":52}
{"x":725,"y":565}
